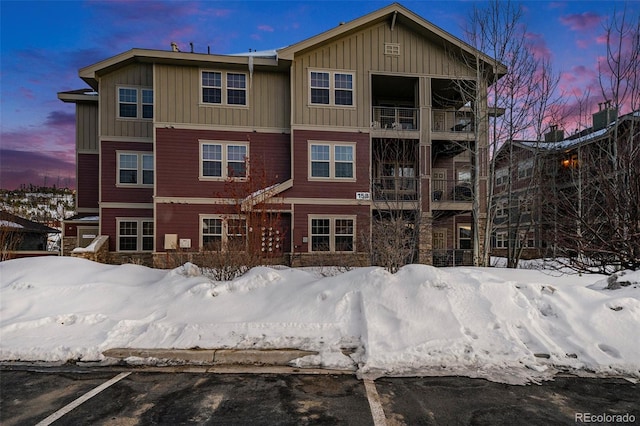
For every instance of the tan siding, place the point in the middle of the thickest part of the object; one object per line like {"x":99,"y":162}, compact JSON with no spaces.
{"x":363,"y":52}
{"x":137,"y":75}
{"x":178,"y":100}
{"x":87,"y":126}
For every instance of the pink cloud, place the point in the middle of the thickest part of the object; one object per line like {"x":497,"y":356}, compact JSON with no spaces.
{"x":581,"y":21}
{"x":38,"y":168}
{"x":266,"y":28}
{"x":538,"y":46}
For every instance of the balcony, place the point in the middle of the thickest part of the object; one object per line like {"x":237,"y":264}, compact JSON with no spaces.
{"x":452,"y":121}
{"x":395,"y":189}
{"x":451,"y":195}
{"x":394,"y":118}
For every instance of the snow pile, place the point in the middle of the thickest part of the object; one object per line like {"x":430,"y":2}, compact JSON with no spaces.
{"x":504,"y":325}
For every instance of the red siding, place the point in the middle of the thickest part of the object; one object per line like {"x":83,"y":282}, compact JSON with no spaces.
{"x":108,"y":221}
{"x":110,"y":192}
{"x":305,"y":188}
{"x":178,"y":160}
{"x":301,"y":221}
{"x":184,"y":220}
{"x":88,"y":177}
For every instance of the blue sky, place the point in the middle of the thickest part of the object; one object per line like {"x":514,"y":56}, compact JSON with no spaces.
{"x":44,"y":43}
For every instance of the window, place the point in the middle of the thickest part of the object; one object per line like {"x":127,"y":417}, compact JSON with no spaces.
{"x":501,"y":240}
{"x":525,"y":169}
{"x":224,"y":88}
{"x":524,"y":205}
{"x":332,"y":234}
{"x":320,"y":88}
{"x":134,"y":102}
{"x":343,"y":89}
{"x":502,"y":208}
{"x":223,"y":160}
{"x":464,"y":175}
{"x":526,"y":239}
{"x":392,"y":49}
{"x":221,"y":233}
{"x":331,"y":88}
{"x":135,"y":235}
{"x":236,"y":89}
{"x":502,"y":177}
{"x":464,"y":237}
{"x":331,"y":161}
{"x":135,"y":168}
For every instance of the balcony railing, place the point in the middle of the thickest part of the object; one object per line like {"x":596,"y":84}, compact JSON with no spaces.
{"x":395,"y":189}
{"x":451,"y":191}
{"x":452,"y":121}
{"x":395,"y":118}
{"x":456,"y":257}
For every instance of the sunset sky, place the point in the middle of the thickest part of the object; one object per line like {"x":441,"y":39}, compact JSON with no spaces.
{"x":44,"y":43}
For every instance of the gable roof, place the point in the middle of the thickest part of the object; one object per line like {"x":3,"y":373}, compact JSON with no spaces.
{"x":394,"y":13}
{"x":20,"y":224}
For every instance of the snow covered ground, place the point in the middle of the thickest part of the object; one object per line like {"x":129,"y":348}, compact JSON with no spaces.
{"x":505,"y":325}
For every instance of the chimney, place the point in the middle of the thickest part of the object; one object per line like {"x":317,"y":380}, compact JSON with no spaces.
{"x":604,"y":116}
{"x":174,"y":47}
{"x":554,"y":134}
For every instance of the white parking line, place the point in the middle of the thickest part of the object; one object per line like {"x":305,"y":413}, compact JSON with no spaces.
{"x":374,"y":402}
{"x":64,"y":410}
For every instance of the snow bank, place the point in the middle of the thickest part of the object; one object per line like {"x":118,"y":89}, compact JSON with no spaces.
{"x":505,"y":325}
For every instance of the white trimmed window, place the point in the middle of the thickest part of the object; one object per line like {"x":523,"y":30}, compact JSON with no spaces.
{"x":135,"y":169}
{"x":525,"y":169}
{"x":223,"y":160}
{"x":331,"y":88}
{"x":502,"y":207}
{"x":135,"y":234}
{"x":223,"y":88}
{"x":502,"y":176}
{"x":135,"y":102}
{"x":331,"y":160}
{"x":501,"y":240}
{"x":223,"y":233}
{"x":332,"y":234}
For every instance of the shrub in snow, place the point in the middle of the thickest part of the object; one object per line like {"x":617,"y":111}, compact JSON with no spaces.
{"x":615,"y":282}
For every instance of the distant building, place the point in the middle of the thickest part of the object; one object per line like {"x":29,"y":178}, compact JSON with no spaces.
{"x":537,"y":182}
{"x":341,"y":131}
{"x":21,"y":237}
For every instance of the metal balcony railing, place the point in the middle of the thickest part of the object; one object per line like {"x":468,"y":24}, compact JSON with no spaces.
{"x":395,"y":118}
{"x":451,"y":191}
{"x":457,"y":257}
{"x":395,"y":189}
{"x":452,"y":121}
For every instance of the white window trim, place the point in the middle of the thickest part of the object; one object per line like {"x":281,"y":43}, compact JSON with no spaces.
{"x":224,"y":88}
{"x":139,"y":236}
{"x":503,"y":240}
{"x":458,"y":228}
{"x":332,"y":89}
{"x":225,"y":168}
{"x":224,"y":238}
{"x":502,"y":176}
{"x":140,"y":170}
{"x":392,"y":49}
{"x":332,"y":232}
{"x":139,"y":103}
{"x":502,"y":208}
{"x":525,"y":169}
{"x":332,"y":162}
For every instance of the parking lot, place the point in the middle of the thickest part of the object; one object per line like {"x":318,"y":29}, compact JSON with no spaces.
{"x":70,"y":395}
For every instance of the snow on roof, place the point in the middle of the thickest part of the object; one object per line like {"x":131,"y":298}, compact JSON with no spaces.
{"x":9,"y":224}
{"x":566,"y":143}
{"x":271,"y":53}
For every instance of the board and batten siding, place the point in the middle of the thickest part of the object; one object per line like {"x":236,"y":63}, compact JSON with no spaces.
{"x":136,"y":75}
{"x":87,"y":127}
{"x":362,"y":53}
{"x":177,"y":98}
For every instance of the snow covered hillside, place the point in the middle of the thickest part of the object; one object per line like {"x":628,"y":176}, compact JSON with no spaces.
{"x":505,"y":325}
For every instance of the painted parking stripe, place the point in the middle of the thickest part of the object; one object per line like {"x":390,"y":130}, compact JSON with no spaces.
{"x":64,"y":410}
{"x":374,"y":402}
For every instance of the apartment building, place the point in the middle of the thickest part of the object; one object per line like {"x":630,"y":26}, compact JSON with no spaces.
{"x":326,"y":138}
